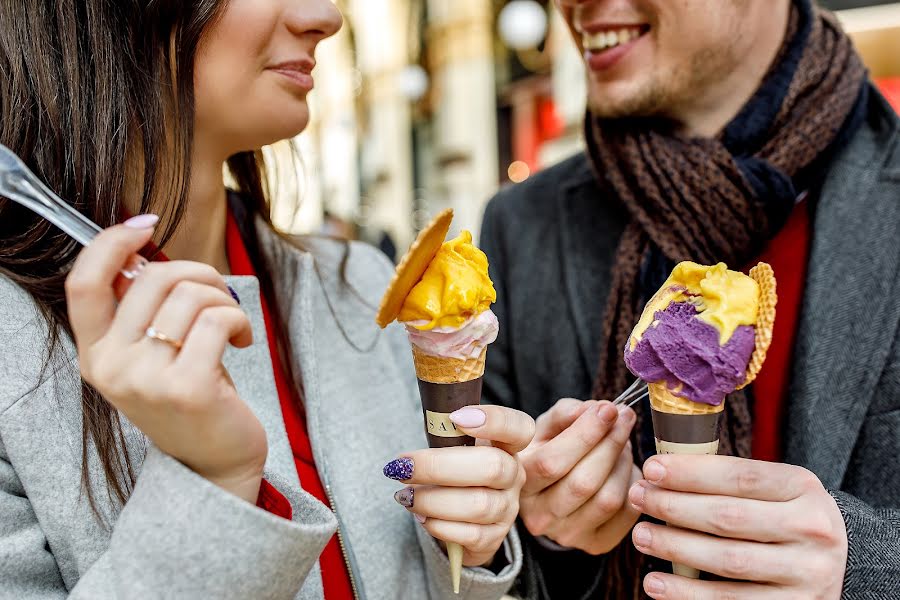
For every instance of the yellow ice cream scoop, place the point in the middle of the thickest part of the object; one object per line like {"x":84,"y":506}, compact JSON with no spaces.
{"x":454,"y":288}
{"x":724,"y":299}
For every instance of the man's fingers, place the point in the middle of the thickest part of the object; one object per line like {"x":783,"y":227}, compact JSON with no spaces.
{"x":560,"y":417}
{"x":586,"y":479}
{"x":89,"y":286}
{"x":729,"y":476}
{"x":463,"y":466}
{"x":732,"y":559}
{"x":724,"y":516}
{"x":552,"y":461}
{"x":673,"y":587}
{"x":508,"y":429}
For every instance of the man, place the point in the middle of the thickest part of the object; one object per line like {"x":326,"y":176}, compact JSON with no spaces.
{"x":718,"y":130}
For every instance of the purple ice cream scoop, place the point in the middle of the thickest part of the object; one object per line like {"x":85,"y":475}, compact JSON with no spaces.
{"x":680,"y":349}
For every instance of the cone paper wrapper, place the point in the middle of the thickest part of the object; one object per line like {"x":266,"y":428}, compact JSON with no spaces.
{"x":441,"y":399}
{"x":438,"y":401}
{"x":683,"y":433}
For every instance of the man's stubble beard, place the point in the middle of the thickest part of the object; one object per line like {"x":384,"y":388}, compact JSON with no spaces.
{"x":667,"y":94}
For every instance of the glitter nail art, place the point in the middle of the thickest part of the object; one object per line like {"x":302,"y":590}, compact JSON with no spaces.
{"x":405,"y":497}
{"x":400,"y":469}
{"x":234,"y":294}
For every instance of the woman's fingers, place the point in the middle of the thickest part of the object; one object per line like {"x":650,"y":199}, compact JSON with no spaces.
{"x":482,"y":506}
{"x":478,"y":540}
{"x":506,"y":428}
{"x":187,"y":300}
{"x":89,"y":286}
{"x":157,"y":283}
{"x":464,"y":466}
{"x":210,"y":335}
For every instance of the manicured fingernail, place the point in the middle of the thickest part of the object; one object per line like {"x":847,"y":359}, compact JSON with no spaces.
{"x":654,"y":585}
{"x":399,"y":469}
{"x":469,"y":417}
{"x":135,"y":267}
{"x":419,"y":518}
{"x":636,"y":495}
{"x":142,"y":222}
{"x":234,"y":294}
{"x":642,"y":537}
{"x":608,"y":413}
{"x":653,"y":471}
{"x":405,"y":497}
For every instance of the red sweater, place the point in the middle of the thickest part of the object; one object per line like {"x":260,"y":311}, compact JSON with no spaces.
{"x":788,"y":254}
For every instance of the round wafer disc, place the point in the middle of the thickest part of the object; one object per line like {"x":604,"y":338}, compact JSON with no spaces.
{"x":410,"y":270}
{"x":765,"y":320}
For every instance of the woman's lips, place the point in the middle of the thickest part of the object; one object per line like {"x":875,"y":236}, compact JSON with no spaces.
{"x":299,"y":79}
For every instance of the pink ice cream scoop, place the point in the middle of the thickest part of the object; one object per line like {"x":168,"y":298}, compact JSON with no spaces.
{"x":685,"y":352}
{"x":464,"y":343}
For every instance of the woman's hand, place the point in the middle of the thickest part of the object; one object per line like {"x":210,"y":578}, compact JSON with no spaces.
{"x":469,"y":495}
{"x":176,"y":391}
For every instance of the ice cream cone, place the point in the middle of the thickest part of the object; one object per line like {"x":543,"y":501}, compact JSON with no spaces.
{"x":447,"y":385}
{"x":437,"y":369}
{"x":683,"y":427}
{"x":448,"y":381}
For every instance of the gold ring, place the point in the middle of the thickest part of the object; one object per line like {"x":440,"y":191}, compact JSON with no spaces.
{"x":159,"y":336}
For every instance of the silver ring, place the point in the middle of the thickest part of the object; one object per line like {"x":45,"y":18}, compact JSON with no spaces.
{"x":155,"y":334}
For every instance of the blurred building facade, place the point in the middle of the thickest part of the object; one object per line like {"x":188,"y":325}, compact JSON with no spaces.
{"x":422,"y":105}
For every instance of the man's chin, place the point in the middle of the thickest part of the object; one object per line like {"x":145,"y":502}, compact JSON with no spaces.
{"x":614,"y":102}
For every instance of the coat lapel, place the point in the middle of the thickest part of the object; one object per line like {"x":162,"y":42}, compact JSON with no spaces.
{"x":850,"y":317}
{"x":587,"y":257}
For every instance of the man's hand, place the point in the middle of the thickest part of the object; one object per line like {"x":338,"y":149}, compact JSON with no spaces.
{"x":771,"y":526}
{"x":579,"y":468}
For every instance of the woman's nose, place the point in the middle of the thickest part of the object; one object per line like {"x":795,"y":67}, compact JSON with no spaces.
{"x":319,"y":17}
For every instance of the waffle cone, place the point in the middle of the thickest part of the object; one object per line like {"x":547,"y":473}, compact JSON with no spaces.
{"x":765,"y":320}
{"x":438,"y":369}
{"x":663,"y":400}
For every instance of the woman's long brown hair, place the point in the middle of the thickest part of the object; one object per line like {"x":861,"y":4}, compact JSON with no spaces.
{"x":82,"y":84}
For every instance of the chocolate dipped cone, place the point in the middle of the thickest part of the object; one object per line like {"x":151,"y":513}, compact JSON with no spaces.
{"x":447,"y":385}
{"x":681,"y":426}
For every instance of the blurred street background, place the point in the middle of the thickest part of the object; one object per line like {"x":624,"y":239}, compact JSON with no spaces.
{"x":422,"y":105}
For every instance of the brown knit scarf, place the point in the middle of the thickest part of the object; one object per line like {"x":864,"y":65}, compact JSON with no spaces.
{"x":712,"y":200}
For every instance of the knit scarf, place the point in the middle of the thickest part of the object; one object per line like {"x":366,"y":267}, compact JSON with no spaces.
{"x":718,"y":200}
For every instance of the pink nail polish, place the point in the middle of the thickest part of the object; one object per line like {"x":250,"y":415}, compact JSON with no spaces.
{"x":142,"y":222}
{"x":469,"y":417}
{"x":419,"y":517}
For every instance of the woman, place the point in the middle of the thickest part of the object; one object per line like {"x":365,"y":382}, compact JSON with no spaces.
{"x":157,"y":472}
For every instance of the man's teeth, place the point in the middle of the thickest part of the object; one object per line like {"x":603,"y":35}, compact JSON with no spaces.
{"x":609,"y":39}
